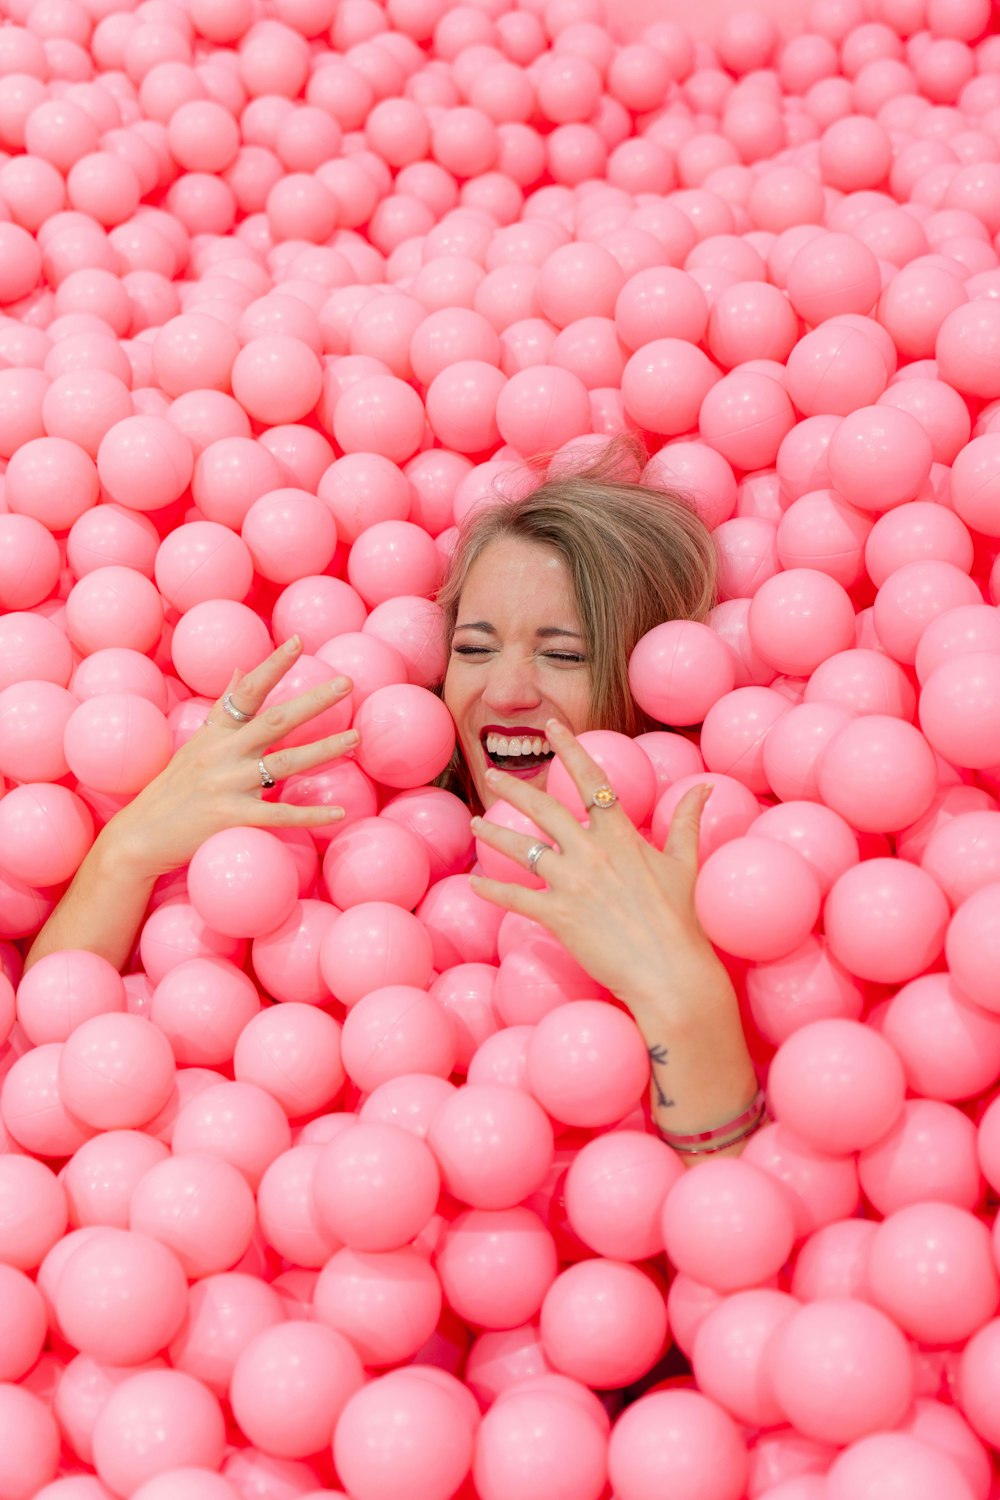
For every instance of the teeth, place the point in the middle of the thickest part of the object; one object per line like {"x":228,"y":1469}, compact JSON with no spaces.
{"x":498,"y":744}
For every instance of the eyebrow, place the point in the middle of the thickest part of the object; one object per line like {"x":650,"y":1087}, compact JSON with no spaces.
{"x":546,"y":632}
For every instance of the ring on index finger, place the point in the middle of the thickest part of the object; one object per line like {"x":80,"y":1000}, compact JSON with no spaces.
{"x":604,"y":796}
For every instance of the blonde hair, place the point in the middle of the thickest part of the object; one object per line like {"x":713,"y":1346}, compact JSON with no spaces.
{"x":636,"y":556}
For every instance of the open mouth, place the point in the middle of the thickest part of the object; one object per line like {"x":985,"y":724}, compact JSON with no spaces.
{"x":521,"y":751}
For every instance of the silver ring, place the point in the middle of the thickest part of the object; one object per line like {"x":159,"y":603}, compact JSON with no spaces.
{"x":604,"y":796}
{"x":534,"y":854}
{"x":234,"y":712}
{"x":267,"y":781}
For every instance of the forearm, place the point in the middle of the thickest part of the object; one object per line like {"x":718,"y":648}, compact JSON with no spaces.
{"x":102,"y":909}
{"x":701,"y":1072}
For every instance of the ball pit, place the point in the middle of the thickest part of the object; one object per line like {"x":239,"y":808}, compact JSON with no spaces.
{"x":347,"y":1185}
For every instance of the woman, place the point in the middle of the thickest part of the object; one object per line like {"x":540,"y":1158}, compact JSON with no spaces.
{"x":545,"y":598}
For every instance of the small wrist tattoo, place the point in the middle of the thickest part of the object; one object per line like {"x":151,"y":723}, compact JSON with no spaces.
{"x":658,"y":1059}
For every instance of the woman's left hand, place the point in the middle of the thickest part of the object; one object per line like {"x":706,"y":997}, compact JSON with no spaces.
{"x":623,"y":909}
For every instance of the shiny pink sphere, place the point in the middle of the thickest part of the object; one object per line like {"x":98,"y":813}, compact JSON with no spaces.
{"x":704,"y":1209}
{"x":757,"y":898}
{"x":679,"y":1442}
{"x":820,"y":1067}
{"x":885,"y":920}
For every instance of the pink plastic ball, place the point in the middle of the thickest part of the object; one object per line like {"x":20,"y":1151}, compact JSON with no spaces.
{"x":493,"y":1145}
{"x":704,"y":1209}
{"x":116,"y":1071}
{"x":293,"y":1052}
{"x":615,"y":1189}
{"x":678,"y":1442}
{"x":387,"y":1303}
{"x":971,"y":944}
{"x":375,"y":1187}
{"x":114,"y":607}
{"x":885,"y":920}
{"x":155,"y":1421}
{"x":973,"y":486}
{"x":404,"y":1429}
{"x":833,"y":273}
{"x":64,"y":989}
{"x":29,"y":563}
{"x":393,"y":558}
{"x":496,"y":1266}
{"x":798,"y":618}
{"x":757,"y":898}
{"x":144,"y":462}
{"x":603,"y":1323}
{"x":833,"y":369}
{"x":879,"y":773}
{"x":121,"y":1296}
{"x":407,"y":735}
{"x":862,"y":681}
{"x":45,"y":831}
{"x":243,"y":882}
{"x":52,"y":480}
{"x":239,"y":1122}
{"x":958,"y":707}
{"x":200,"y":561}
{"x":931,"y":1269}
{"x":826,"y":1063}
{"x":376,"y":860}
{"x":678,"y":670}
{"x":729,"y":1354}
{"x":379,"y":414}
{"x":33,"y":1211}
{"x":200,"y":1207}
{"x":821,"y":836}
{"x":949,"y":1047}
{"x":290,"y":1385}
{"x":664,"y":385}
{"x":100,"y":1177}
{"x":735,"y":731}
{"x":587,"y":1064}
{"x":840,"y":1369}
{"x":879,"y":457}
{"x":31,"y":1452}
{"x":289,"y":534}
{"x":395,"y":1030}
{"x":375,"y":944}
{"x":966,"y":346}
{"x":884,"y":1459}
{"x":976,"y":1369}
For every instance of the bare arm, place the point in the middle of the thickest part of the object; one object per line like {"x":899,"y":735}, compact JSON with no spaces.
{"x":212,"y":782}
{"x":626,"y":913}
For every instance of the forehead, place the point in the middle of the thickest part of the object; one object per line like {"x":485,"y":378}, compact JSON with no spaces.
{"x":515,"y":573}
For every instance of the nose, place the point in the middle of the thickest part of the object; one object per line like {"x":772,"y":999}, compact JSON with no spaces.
{"x":512,"y":684}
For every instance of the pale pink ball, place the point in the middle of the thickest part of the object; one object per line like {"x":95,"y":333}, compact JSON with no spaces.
{"x":820,"y":1067}
{"x":404,"y":1429}
{"x":290,"y":1385}
{"x":971,"y":945}
{"x":587,"y":1064}
{"x":746,"y":416}
{"x":144,"y":462}
{"x":949,"y":1046}
{"x":493,"y":1145}
{"x":289,"y":534}
{"x":292,"y":1051}
{"x":200,"y":1207}
{"x":379,"y":414}
{"x":966,"y":349}
{"x":395,"y":1030}
{"x":729,"y":1354}
{"x":155,"y":1421}
{"x":891,"y":1458}
{"x":407,"y":735}
{"x":800,"y":617}
{"x":678,"y":670}
{"x":840,"y":1369}
{"x":833,"y":273}
{"x":757,"y":898}
{"x":116,"y":1071}
{"x":31,"y":1451}
{"x":64,"y":989}
{"x":387,"y":1303}
{"x":45,"y":831}
{"x":603,"y":1322}
{"x":372,"y":945}
{"x":885,"y":920}
{"x":376,"y":860}
{"x":375,"y":1186}
{"x":931,"y":1269}
{"x":100,"y":1177}
{"x":52,"y":480}
{"x":976,"y":1373}
{"x":664,"y":384}
{"x":243,"y":882}
{"x":114,"y":606}
{"x":704,"y":1209}
{"x":735,"y":731}
{"x":121,"y":1296}
{"x":496,"y":1266}
{"x":202,"y":560}
{"x":879,"y":773}
{"x":29,"y":563}
{"x":959,"y":707}
{"x":239,"y":1122}
{"x":833,"y":369}
{"x":615,"y":1189}
{"x":33,"y":1211}
{"x":678,"y":1442}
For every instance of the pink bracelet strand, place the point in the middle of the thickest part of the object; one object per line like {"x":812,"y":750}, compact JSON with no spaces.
{"x":704,"y":1142}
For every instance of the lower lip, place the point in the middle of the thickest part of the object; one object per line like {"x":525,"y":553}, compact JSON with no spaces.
{"x":525,"y":774}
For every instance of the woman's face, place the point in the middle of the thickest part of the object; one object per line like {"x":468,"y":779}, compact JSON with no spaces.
{"x":518,"y":658}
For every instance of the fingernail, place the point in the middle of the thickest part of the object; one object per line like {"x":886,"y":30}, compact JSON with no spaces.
{"x":551,"y":724}
{"x":335,"y":814}
{"x":707,"y":789}
{"x":351,"y":737}
{"x":492,"y":775}
{"x":340,"y":684}
{"x":291,"y":646}
{"x":475,"y":823}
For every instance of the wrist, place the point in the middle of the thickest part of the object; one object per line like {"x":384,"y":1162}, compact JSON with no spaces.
{"x":121,"y":856}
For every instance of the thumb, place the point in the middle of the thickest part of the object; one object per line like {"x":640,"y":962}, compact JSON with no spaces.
{"x":685,"y":827}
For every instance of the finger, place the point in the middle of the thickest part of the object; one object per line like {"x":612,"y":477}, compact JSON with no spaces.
{"x":282,"y":763}
{"x":515,"y":845}
{"x":589,"y":777}
{"x":544,"y":811}
{"x":290,"y":815}
{"x":684,"y":832}
{"x":247,"y":690}
{"x":510,"y":897}
{"x":281,"y":718}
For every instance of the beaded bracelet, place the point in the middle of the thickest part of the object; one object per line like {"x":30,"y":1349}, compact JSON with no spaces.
{"x":704,"y":1142}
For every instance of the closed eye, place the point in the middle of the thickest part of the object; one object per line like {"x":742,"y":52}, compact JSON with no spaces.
{"x":567,"y":656}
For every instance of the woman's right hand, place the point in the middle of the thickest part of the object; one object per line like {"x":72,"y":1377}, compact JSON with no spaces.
{"x":213,"y":782}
